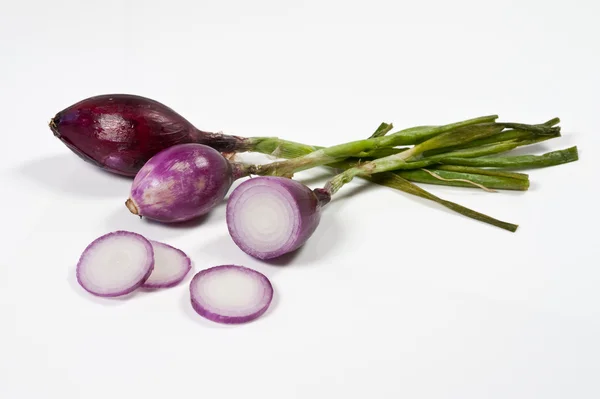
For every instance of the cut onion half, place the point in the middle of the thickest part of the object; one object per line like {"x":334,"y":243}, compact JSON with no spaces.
{"x":269,"y":216}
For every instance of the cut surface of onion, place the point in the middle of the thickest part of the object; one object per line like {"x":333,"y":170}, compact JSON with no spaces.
{"x":269,"y":216}
{"x":115,"y":264}
{"x":266,"y":218}
{"x":230,"y":294}
{"x":171,"y":265}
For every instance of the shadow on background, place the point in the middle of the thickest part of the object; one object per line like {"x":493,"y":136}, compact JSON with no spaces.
{"x":121,"y":219}
{"x":69,"y":174}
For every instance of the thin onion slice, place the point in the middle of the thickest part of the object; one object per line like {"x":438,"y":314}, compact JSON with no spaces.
{"x":171,"y":265}
{"x":230,"y":294}
{"x":115,"y":264}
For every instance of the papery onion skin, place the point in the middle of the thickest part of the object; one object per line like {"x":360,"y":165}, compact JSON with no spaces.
{"x":121,"y":132}
{"x":180,"y":183}
{"x":306,"y":203}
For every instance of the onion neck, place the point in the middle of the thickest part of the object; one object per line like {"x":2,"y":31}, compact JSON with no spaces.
{"x":222,"y":142}
{"x":239,"y":170}
{"x":323,"y":196}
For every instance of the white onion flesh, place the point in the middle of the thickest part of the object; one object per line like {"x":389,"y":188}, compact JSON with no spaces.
{"x":115,"y":264}
{"x":264,"y":218}
{"x":230,"y":294}
{"x":171,"y":265}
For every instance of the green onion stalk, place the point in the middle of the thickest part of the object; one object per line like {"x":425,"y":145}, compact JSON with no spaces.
{"x":393,"y":180}
{"x":552,"y":158}
{"x":446,"y":136}
{"x":374,"y":168}
{"x":452,"y":152}
{"x":467,"y":176}
{"x":403,"y":159}
{"x":379,"y":140}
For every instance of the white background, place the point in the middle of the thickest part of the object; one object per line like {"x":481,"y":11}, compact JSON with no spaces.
{"x":393,"y":297}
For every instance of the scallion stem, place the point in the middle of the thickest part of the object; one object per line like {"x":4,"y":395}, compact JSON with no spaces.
{"x":481,"y":171}
{"x":397,"y":182}
{"x":455,"y":158}
{"x":382,"y":130}
{"x":514,"y":134}
{"x":518,"y":161}
{"x":462,"y":179}
{"x":399,"y":161}
{"x":327,"y":155}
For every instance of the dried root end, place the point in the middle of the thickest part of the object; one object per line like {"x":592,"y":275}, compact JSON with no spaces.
{"x":132,"y":207}
{"x":54,"y":127}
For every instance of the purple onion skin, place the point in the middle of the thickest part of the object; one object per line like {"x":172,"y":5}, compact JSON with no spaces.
{"x":180,"y":183}
{"x":306,"y":203}
{"x":121,"y":132}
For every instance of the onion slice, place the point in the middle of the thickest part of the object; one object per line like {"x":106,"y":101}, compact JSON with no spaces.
{"x":115,"y":264}
{"x":230,"y":294}
{"x":171,"y":265}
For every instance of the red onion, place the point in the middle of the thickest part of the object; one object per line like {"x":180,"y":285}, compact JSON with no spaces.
{"x":181,"y":183}
{"x":270,"y":216}
{"x":120,"y":132}
{"x":230,"y":294}
{"x":115,"y":264}
{"x":119,"y":262}
{"x":171,"y":265}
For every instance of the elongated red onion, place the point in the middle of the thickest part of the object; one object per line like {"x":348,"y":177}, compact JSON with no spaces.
{"x":120,"y":132}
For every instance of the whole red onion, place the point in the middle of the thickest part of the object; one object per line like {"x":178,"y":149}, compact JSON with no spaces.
{"x":120,"y":132}
{"x":181,"y":183}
